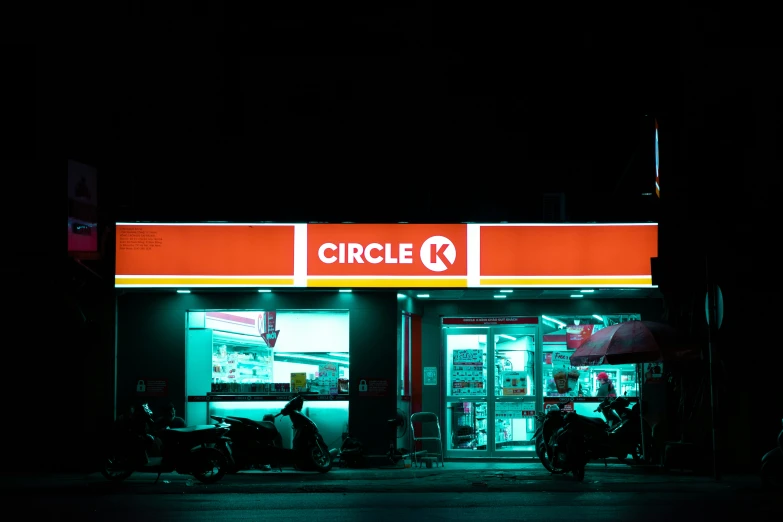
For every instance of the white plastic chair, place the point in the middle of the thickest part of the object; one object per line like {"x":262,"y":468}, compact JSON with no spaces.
{"x":423,"y":418}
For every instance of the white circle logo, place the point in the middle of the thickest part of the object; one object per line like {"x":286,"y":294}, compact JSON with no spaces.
{"x":438,"y":253}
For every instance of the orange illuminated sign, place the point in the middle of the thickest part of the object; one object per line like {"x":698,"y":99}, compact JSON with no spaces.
{"x":174,"y":255}
{"x":567,"y":255}
{"x":388,"y":255}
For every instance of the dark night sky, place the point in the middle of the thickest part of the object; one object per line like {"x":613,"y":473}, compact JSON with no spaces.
{"x":455,"y":114}
{"x":420,"y":113}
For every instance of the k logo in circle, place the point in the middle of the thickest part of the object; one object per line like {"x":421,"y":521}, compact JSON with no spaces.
{"x":438,"y":253}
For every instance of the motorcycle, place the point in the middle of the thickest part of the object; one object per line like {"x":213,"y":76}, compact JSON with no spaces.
{"x":565,"y":442}
{"x":258,"y":444}
{"x":772,"y":464}
{"x":193,"y":450}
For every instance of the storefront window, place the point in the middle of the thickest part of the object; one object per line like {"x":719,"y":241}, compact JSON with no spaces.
{"x":303,"y":351}
{"x":587,"y":384}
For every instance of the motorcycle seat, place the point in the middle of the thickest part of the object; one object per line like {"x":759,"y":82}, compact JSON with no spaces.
{"x":593,"y":421}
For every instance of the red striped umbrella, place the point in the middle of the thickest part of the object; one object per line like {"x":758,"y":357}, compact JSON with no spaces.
{"x":634,"y":342}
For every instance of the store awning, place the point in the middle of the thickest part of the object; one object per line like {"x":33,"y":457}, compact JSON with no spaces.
{"x":634,"y":342}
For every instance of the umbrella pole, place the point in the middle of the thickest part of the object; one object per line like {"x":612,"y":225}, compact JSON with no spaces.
{"x":640,"y":379}
{"x":711,"y":335}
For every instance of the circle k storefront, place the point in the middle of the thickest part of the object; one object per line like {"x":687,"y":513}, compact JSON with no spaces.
{"x":474,"y":322}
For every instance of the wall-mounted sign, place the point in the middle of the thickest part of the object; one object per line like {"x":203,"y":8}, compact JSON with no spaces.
{"x":269,"y":334}
{"x":430,"y":376}
{"x":373,"y":387}
{"x":146,"y":387}
{"x":388,"y":255}
{"x":489,"y":320}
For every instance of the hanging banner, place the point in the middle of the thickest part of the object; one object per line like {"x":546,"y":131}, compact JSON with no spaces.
{"x":269,"y":335}
{"x":576,"y":334}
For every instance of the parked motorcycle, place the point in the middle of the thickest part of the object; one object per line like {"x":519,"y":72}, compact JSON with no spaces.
{"x":194,"y":450}
{"x":772,"y":464}
{"x":256,"y":444}
{"x":566,"y":442}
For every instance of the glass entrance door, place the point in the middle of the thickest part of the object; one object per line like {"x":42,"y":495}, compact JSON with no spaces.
{"x":515,"y":395}
{"x":493,"y":389}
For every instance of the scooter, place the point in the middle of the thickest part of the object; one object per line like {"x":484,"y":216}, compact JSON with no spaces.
{"x":548,"y":424}
{"x":194,"y":450}
{"x":256,"y":444}
{"x":772,"y":464}
{"x":565,"y":442}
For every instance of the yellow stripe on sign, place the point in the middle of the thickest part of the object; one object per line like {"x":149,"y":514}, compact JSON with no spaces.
{"x":528,"y":281}
{"x":201,"y":281}
{"x":387,"y":283}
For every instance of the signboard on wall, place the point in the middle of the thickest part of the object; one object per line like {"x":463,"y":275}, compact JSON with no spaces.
{"x":146,"y":387}
{"x":225,"y":255}
{"x":373,"y":387}
{"x":430,"y":376}
{"x":489,"y":320}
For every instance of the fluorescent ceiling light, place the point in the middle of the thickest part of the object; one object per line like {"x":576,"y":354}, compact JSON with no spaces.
{"x":577,"y":295}
{"x":506,"y":291}
{"x":499,"y":296}
{"x":504,"y":336}
{"x":423,"y":296}
{"x":598,"y":317}
{"x":338,"y":354}
{"x":401,"y":296}
{"x":556,"y":321}
{"x":345,"y":290}
{"x":587,"y":291}
{"x":264,"y":291}
{"x":183,"y":291}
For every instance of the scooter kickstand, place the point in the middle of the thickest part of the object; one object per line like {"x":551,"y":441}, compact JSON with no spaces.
{"x":156,"y":478}
{"x":605,"y":464}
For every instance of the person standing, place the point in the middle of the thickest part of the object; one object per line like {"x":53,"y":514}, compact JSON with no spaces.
{"x":605,"y":386}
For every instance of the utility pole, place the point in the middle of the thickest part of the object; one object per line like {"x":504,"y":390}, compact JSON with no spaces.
{"x":712,"y":333}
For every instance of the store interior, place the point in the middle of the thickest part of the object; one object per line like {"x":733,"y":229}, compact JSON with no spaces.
{"x":561,"y":336}
{"x":477,"y":393}
{"x":248,"y":374}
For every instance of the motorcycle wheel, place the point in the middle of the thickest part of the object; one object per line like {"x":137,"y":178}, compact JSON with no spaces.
{"x":541,"y":451}
{"x":115,"y":468}
{"x":319,"y":457}
{"x":636,"y":456}
{"x":211,"y":465}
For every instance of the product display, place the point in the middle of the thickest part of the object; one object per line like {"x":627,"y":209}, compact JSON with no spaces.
{"x":241,"y":365}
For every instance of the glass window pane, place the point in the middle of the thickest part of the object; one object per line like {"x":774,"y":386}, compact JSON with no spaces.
{"x":515,"y":426}
{"x":514,"y":365}
{"x":466,"y":364}
{"x":467,"y":425}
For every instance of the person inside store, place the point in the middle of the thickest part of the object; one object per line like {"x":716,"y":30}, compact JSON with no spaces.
{"x":169,"y":419}
{"x":605,"y":386}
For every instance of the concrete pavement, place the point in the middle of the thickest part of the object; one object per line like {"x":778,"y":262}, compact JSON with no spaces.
{"x":454,"y":477}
